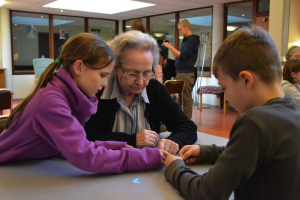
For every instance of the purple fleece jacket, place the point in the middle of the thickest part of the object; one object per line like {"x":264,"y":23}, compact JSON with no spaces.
{"x":52,"y":125}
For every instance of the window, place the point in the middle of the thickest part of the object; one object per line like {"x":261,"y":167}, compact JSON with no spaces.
{"x":28,"y":39}
{"x":163,"y":27}
{"x":63,"y":29}
{"x":263,"y":6}
{"x":106,"y":29}
{"x":238,"y":15}
{"x":201,"y":25}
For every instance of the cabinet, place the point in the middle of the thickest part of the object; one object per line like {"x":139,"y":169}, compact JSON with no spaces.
{"x":2,"y":78}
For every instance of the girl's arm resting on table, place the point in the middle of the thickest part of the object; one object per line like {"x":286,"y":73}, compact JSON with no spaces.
{"x":55,"y":124}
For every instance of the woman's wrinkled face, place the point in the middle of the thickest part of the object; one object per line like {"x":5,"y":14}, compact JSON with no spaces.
{"x":295,"y":55}
{"x":136,"y":61}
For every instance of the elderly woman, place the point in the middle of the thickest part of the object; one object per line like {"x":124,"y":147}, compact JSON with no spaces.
{"x":133,"y":104}
{"x":292,"y":53}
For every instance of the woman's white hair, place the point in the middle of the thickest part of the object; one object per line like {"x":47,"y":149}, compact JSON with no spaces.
{"x":134,"y":40}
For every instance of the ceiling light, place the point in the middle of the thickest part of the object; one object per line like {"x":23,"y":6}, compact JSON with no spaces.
{"x":231,"y":28}
{"x":128,"y":26}
{"x":96,"y":6}
{"x":158,"y":34}
{"x":243,"y":15}
{"x":2,"y":2}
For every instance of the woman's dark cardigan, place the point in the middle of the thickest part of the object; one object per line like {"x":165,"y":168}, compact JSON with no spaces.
{"x":162,"y":108}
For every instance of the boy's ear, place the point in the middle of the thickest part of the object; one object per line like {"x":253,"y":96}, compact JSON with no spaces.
{"x":77,"y":67}
{"x":247,"y":78}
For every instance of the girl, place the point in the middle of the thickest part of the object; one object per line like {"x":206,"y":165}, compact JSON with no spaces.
{"x":49,"y":122}
{"x":291,"y":79}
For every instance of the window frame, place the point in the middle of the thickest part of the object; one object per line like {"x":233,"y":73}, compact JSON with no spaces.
{"x":51,"y":31}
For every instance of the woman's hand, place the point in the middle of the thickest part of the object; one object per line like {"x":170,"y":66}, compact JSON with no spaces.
{"x":147,"y":138}
{"x":190,"y":153}
{"x":168,"y":146}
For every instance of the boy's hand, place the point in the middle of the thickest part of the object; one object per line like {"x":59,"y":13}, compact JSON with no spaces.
{"x":168,"y":146}
{"x":169,"y":159}
{"x":190,"y":153}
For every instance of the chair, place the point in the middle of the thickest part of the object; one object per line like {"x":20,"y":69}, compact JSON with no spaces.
{"x":175,"y":86}
{"x":6,"y":100}
{"x":217,"y":90}
{"x":39,"y":65}
{"x":3,"y":119}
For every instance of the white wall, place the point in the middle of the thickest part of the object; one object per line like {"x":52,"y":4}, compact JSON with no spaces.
{"x":294,"y":28}
{"x":5,"y":45}
{"x":277,"y":23}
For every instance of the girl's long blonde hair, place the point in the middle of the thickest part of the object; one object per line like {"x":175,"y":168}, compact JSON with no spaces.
{"x":87,"y":47}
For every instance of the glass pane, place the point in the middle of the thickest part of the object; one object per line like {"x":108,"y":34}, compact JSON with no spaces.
{"x":106,"y":29}
{"x":163,"y":27}
{"x":30,"y":39}
{"x":64,"y":28}
{"x":239,"y":15}
{"x":263,"y":6}
{"x":201,"y":25}
{"x":129,"y":22}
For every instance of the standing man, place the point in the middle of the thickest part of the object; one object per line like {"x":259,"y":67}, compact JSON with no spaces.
{"x":184,"y":63}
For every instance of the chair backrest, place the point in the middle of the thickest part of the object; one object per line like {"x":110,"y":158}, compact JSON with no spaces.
{"x":40,"y":64}
{"x":3,"y":119}
{"x":6,"y":99}
{"x":174,"y":86}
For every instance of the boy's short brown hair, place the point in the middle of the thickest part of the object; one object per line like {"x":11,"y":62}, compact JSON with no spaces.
{"x":289,"y":67}
{"x":250,"y":49}
{"x":184,"y":23}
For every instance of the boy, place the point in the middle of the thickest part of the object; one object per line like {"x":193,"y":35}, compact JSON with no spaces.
{"x":262,"y":157}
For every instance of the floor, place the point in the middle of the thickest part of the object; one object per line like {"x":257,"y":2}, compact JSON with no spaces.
{"x":210,"y":120}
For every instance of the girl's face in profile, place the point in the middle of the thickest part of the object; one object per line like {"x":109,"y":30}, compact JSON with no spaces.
{"x":92,"y":81}
{"x":296,"y":77}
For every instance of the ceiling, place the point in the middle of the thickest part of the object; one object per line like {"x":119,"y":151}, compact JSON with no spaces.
{"x":161,"y":7}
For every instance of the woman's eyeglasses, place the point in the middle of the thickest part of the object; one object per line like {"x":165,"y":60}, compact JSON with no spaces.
{"x":134,"y":76}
